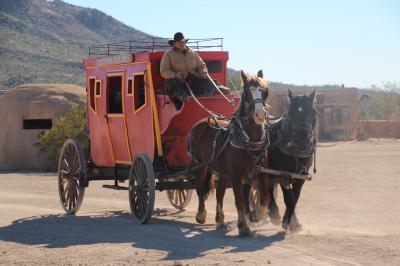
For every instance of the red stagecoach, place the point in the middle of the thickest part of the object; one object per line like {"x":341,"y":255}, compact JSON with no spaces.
{"x":136,"y":131}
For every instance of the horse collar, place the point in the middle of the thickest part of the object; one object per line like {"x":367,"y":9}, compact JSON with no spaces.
{"x":286,"y":146}
{"x":239,"y":139}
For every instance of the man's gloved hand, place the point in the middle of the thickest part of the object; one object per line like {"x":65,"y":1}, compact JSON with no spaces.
{"x":204,"y":75}
{"x":180,"y":75}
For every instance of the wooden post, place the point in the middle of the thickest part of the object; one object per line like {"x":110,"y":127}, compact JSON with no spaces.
{"x":292,"y":175}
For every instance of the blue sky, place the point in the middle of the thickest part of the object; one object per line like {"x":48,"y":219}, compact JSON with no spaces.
{"x":354,"y":42}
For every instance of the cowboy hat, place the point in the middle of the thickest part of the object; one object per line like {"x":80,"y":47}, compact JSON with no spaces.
{"x":177,"y":37}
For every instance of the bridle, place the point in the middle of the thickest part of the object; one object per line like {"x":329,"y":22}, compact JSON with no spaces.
{"x":240,"y":139}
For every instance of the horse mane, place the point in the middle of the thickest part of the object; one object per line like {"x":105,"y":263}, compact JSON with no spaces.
{"x":313,"y":104}
{"x":239,"y":109}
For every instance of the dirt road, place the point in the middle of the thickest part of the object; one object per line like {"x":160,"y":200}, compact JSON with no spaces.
{"x":350,"y":212}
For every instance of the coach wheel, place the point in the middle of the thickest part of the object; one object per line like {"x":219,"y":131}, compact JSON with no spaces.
{"x":142,"y":186}
{"x":72,"y":171}
{"x":254,"y":197}
{"x":179,"y":198}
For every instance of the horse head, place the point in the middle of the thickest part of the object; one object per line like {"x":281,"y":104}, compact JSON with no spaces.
{"x":302,"y":117}
{"x":253,"y":103}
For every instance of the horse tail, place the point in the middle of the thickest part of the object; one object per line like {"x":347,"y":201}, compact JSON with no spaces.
{"x":209,"y":184}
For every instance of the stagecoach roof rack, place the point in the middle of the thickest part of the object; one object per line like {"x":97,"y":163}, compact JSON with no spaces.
{"x":151,"y":44}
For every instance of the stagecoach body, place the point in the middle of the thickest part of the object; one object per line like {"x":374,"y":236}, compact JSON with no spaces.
{"x":142,"y":119}
{"x":136,"y":131}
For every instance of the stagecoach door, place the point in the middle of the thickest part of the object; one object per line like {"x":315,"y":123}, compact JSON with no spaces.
{"x":115,"y":118}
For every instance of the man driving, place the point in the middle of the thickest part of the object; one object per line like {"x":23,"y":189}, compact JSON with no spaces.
{"x":181,"y":64}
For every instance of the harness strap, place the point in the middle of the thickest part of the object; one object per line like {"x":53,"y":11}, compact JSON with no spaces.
{"x":213,"y":156}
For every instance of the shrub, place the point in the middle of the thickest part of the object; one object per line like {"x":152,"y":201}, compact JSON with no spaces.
{"x":70,"y":126}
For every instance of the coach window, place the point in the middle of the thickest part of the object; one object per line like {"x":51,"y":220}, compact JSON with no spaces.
{"x":114,"y":88}
{"x":98,"y":87}
{"x":130,"y":86}
{"x":139,"y":94}
{"x":37,"y":124}
{"x":92,"y":100}
{"x":214,"y":66}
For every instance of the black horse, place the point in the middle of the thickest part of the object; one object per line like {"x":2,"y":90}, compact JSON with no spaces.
{"x":293,"y":144}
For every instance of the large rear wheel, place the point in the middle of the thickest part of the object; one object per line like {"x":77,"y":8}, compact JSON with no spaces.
{"x":72,"y":172}
{"x":142,"y":187}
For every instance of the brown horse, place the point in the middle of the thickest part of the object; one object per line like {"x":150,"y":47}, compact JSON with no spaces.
{"x":234,"y":153}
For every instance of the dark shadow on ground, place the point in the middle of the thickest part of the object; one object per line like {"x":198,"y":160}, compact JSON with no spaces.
{"x":181,"y":240}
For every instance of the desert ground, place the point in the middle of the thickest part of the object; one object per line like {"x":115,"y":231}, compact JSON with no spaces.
{"x":350,"y":213}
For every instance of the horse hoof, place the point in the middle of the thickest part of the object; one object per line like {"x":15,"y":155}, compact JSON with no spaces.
{"x":285,"y":226}
{"x":245,"y":232}
{"x":295,"y":227}
{"x":220,"y":218}
{"x":275,"y":218}
{"x":221,"y":226}
{"x":253,"y":217}
{"x":201,"y":217}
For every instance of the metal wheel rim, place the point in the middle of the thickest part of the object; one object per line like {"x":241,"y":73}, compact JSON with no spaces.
{"x":71,"y":175}
{"x":141,"y":188}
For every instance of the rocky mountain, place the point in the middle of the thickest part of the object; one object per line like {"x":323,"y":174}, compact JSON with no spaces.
{"x":45,"y":41}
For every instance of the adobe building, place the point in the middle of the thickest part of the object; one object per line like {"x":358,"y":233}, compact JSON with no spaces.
{"x":337,"y":110}
{"x":27,"y":110}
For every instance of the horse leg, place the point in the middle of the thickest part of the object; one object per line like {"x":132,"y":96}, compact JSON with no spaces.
{"x":244,"y":229}
{"x":221,"y":187}
{"x":246,"y":192}
{"x":295,"y":225}
{"x":203,"y":178}
{"x":273,"y":206}
{"x":289,"y":199}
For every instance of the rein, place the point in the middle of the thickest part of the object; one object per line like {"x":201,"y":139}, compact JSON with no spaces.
{"x":200,"y":104}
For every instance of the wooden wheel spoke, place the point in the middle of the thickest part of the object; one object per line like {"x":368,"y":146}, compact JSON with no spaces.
{"x":66,"y":192}
{"x":75,"y":165}
{"x":184,"y":194}
{"x":145,"y":197}
{"x":180,"y":197}
{"x":66,"y":164}
{"x":70,"y":197}
{"x":139,"y":206}
{"x":73,"y":196}
{"x":135,"y":200}
{"x":143,"y":203}
{"x":75,"y":160}
{"x":137,"y":174}
{"x":76,"y":187}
